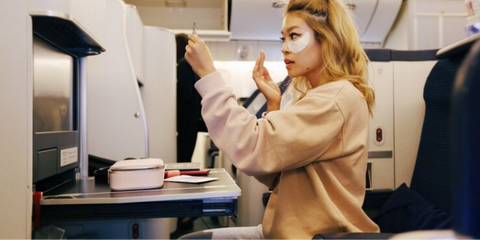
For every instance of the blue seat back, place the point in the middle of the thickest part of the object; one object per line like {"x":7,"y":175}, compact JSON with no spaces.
{"x":432,"y":176}
{"x":466,"y":147}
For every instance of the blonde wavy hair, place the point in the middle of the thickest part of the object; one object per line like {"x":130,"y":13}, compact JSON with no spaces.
{"x":342,"y":53}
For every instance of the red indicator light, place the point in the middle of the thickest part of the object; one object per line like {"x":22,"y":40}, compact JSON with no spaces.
{"x":379,"y":135}
{"x":135,"y":231}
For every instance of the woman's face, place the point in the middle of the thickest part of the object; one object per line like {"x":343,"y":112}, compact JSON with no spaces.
{"x":301,"y":52}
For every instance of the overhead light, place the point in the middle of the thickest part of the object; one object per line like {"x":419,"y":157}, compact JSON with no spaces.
{"x":176,"y":3}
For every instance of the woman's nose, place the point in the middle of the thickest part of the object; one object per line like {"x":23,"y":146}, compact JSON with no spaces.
{"x":285,"y":49}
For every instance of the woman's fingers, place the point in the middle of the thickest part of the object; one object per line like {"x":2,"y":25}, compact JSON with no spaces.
{"x":259,"y":69}
{"x":256,"y":68}
{"x":192,"y":45}
{"x":263,"y":81}
{"x":192,"y":38}
{"x":266,"y":74}
{"x":262,"y":58}
{"x":198,"y":56}
{"x":261,"y":61}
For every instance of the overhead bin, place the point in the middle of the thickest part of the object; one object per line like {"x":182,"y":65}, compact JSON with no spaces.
{"x":363,"y":13}
{"x":256,"y":20}
{"x":262,"y":19}
{"x":178,"y":15}
{"x":374,"y":19}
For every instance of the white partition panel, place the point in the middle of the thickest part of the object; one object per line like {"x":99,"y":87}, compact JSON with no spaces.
{"x":116,"y":117}
{"x":16,"y":93}
{"x":409,"y":83}
{"x":88,"y":13}
{"x":399,"y":112}
{"x":381,"y":151}
{"x":52,"y":5}
{"x":159,"y":92}
{"x":135,"y":40}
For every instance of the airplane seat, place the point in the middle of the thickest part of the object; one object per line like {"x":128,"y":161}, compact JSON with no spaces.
{"x":466,"y":139}
{"x":431,"y":184}
{"x":427,"y":204}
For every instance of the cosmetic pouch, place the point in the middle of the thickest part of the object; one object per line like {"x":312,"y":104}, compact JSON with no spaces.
{"x":136,"y":174}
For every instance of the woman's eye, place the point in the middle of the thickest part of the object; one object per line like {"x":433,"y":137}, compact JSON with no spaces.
{"x":294,"y":35}
{"x":291,"y":36}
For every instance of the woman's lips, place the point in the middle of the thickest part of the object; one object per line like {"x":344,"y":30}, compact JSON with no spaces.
{"x":288,"y":63}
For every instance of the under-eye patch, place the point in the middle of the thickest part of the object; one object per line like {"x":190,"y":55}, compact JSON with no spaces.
{"x":300,"y":43}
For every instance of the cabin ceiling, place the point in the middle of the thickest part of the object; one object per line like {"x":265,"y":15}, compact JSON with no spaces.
{"x":177,"y":3}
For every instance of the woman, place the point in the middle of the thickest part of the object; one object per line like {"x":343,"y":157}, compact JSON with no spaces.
{"x":313,"y":153}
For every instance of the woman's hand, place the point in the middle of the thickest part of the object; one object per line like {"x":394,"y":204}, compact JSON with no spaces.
{"x":264,"y":83}
{"x":198,"y":56}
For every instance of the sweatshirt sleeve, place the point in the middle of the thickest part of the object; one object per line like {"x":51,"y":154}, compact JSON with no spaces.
{"x":283,"y":140}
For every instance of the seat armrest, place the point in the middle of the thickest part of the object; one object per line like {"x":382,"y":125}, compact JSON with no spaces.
{"x":353,"y":236}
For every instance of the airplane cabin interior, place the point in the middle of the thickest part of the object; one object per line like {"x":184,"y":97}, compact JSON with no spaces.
{"x":88,"y":84}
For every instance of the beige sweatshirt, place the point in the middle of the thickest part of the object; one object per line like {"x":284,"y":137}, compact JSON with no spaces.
{"x":313,"y":154}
